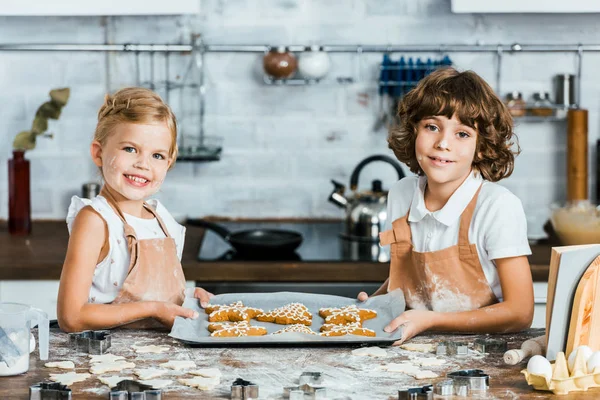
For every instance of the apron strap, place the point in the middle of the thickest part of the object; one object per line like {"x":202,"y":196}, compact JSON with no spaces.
{"x":158,"y":218}
{"x":465,"y":223}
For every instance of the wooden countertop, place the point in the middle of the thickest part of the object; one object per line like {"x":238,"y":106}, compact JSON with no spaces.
{"x":345,"y":376}
{"x":40,"y":256}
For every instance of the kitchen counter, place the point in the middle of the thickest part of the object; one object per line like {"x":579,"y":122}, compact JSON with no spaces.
{"x":346,"y":376}
{"x":40,"y":256}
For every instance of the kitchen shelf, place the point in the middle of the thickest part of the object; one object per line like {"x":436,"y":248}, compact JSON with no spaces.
{"x":303,"y":82}
{"x":199,"y":154}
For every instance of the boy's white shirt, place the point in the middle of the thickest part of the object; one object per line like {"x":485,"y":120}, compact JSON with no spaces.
{"x":111,"y":272}
{"x":498,"y":228}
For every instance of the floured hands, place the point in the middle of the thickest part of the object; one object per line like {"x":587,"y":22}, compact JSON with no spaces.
{"x":412,"y":322}
{"x":166,"y":312}
{"x":203,"y":296}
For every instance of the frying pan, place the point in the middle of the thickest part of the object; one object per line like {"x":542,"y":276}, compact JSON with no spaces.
{"x":254,"y":240}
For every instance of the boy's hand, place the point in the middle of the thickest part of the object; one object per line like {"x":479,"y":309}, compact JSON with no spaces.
{"x":203,"y":296}
{"x":362,"y":296}
{"x":413,"y":322}
{"x":166,"y":313}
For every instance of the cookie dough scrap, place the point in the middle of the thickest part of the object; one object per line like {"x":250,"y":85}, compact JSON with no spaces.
{"x":200,"y":382}
{"x":112,"y":380}
{"x":103,"y":358}
{"x":348,"y":329}
{"x":60,"y":364}
{"x":178,"y":365}
{"x":234,"y":312}
{"x":117,"y":366}
{"x":207,"y":372}
{"x":370,"y":351}
{"x":69,"y":378}
{"x":293,"y":313}
{"x":298,"y":328}
{"x":428,"y":361}
{"x":421,"y":347}
{"x":149,"y":373}
{"x":157,"y":383}
{"x":409,"y":369}
{"x":423,"y":374}
{"x":346,"y":315}
{"x":151,"y":349}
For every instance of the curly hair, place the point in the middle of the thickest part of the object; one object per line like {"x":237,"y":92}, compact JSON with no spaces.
{"x":135,"y":105}
{"x":465,"y":94}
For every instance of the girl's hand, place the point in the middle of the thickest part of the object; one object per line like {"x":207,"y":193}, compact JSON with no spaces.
{"x":413,"y":322}
{"x":362,"y":296}
{"x":203,"y":296}
{"x":166,"y":313}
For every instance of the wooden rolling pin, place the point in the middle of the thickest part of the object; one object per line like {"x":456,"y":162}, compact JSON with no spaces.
{"x":529,"y":348}
{"x":577,"y":155}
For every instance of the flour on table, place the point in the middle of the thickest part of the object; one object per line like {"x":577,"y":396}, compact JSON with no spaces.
{"x":422,"y":347}
{"x":151,"y":349}
{"x":112,"y":380}
{"x":178,"y":365}
{"x":149,"y":373}
{"x":423,"y":374}
{"x":100,"y":368}
{"x":428,"y":361}
{"x":69,"y":378}
{"x":104,"y":358}
{"x":60,"y":364}
{"x":404,"y":367}
{"x":370,"y":351}
{"x":200,"y":382}
{"x":157,"y":383}
{"x":207,"y":372}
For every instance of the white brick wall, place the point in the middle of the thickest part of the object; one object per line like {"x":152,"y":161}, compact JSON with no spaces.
{"x":282,"y":145}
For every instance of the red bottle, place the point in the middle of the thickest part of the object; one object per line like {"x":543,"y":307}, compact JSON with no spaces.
{"x":19,"y":200}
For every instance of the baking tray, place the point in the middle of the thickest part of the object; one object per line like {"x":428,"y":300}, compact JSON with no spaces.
{"x":195,"y":332}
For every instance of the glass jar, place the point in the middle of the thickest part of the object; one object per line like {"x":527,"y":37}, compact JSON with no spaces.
{"x":542,"y":105}
{"x":515,"y":104}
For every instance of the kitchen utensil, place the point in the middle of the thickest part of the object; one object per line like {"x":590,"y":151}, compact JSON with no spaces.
{"x":366,"y":212}
{"x":383,"y":91}
{"x":92,"y":342}
{"x":129,"y":389}
{"x":452,"y":349}
{"x":489,"y":345}
{"x":16,"y":321}
{"x":313,"y":63}
{"x":255,"y":240}
{"x":444,"y":388}
{"x":577,"y":155}
{"x":278,"y":63}
{"x":90,"y":190}
{"x":424,"y":392}
{"x":475,"y":378}
{"x":308,"y":392}
{"x":531,"y":347}
{"x":564,"y":85}
{"x":242,"y":389}
{"x":47,"y":391}
{"x":312,"y":378}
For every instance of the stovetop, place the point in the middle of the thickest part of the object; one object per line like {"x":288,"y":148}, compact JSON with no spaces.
{"x":322,"y":242}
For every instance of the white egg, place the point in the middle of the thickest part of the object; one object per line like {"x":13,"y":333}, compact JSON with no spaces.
{"x":587,"y":353}
{"x":539,"y":365}
{"x":593,"y":362}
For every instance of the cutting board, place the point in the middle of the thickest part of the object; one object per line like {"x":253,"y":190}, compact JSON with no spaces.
{"x":584,"y":327}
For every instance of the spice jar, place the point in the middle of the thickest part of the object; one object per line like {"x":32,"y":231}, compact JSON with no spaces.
{"x":279,"y":63}
{"x":515,"y":104}
{"x":542,"y":106}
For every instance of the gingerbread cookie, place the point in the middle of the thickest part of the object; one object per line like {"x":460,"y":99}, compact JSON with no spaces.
{"x":217,"y":326}
{"x":241,"y":329}
{"x":234,"y":312}
{"x":300,"y":328}
{"x":348,"y":329}
{"x":293,"y":313}
{"x":346,"y":315}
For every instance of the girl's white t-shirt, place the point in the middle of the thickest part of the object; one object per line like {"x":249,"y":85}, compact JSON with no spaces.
{"x":111,"y":272}
{"x":498,"y":228}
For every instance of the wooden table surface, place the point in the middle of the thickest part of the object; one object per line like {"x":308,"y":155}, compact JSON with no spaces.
{"x":345,"y":376}
{"x":40,"y":256}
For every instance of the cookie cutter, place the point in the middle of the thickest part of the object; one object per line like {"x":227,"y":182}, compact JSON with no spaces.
{"x":452,"y":349}
{"x":130,"y":389}
{"x":462,"y":390}
{"x":242,"y":389}
{"x":305,"y":391}
{"x":92,"y":342}
{"x":49,"y":391}
{"x":476,"y":379}
{"x":444,"y":388}
{"x":491,"y":346}
{"x":312,"y":378}
{"x":414,"y":393}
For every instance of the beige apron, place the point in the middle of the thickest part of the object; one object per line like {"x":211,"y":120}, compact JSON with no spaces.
{"x":155,"y":272}
{"x":449,"y":280}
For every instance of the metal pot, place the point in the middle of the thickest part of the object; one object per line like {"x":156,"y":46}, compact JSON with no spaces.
{"x":366,"y":212}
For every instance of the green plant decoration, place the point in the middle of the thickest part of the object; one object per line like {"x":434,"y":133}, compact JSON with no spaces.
{"x":25,"y":140}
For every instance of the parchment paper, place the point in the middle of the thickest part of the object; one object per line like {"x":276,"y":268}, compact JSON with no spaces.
{"x":388,"y":307}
